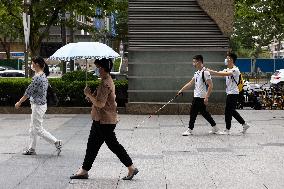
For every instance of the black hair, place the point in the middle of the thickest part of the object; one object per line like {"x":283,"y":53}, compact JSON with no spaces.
{"x":104,"y":63}
{"x":46,"y":69}
{"x":42,"y":64}
{"x":232,"y":56}
{"x":198,"y":58}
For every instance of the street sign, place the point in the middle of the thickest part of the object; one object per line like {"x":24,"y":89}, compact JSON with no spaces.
{"x":26,"y":23}
{"x":17,"y":54}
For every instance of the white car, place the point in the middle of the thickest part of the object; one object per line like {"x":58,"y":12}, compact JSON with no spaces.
{"x":278,"y":77}
{"x":3,"y":68}
{"x":12,"y":73}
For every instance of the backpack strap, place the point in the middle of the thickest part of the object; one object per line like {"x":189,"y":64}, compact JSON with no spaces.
{"x":203,"y":77}
{"x":240,"y":77}
{"x":234,"y":79}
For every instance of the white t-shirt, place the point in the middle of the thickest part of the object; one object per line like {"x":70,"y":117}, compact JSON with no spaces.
{"x":232,"y":80}
{"x":200,"y":89}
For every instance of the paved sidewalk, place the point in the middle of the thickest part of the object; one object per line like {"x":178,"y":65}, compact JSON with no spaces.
{"x":165,"y":159}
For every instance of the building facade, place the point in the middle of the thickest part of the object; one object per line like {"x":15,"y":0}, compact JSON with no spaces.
{"x":277,"y":49}
{"x":58,"y":35}
{"x":164,"y":35}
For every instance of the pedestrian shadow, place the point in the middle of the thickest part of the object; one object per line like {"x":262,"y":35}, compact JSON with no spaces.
{"x":39,"y":155}
{"x":95,"y":182}
{"x":217,"y":135}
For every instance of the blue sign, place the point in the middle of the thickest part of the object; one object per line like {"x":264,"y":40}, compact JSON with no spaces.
{"x":17,"y":54}
{"x":99,"y":22}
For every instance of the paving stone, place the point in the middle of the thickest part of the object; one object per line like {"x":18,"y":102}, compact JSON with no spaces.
{"x":165,"y":159}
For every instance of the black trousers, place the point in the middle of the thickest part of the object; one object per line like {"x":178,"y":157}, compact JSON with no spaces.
{"x":199,"y":106}
{"x":230,"y":110}
{"x":99,"y":134}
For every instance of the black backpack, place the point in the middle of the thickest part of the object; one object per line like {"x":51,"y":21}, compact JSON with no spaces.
{"x":51,"y":97}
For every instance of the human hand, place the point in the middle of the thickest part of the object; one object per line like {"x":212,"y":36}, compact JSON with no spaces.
{"x":88,"y":99}
{"x":17,"y":105}
{"x":206,"y":101}
{"x":179,"y":93}
{"x":87,"y":91}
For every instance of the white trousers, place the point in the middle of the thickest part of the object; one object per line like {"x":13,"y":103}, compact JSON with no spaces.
{"x":36,"y":128}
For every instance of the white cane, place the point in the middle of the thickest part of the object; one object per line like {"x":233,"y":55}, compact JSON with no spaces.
{"x":158,"y":110}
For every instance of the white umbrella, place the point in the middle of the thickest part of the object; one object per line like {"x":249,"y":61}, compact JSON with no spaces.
{"x":84,"y":50}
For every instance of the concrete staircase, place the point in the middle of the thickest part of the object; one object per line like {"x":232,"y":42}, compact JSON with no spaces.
{"x":164,"y":35}
{"x":175,"y":24}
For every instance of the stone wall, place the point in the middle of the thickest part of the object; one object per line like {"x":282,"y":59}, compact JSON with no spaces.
{"x":221,"y":11}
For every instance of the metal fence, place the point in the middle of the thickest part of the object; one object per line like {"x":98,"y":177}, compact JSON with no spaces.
{"x":17,"y":64}
{"x":247,"y":65}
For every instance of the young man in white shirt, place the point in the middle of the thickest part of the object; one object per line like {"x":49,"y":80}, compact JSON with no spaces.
{"x":202,"y":90}
{"x":232,"y":74}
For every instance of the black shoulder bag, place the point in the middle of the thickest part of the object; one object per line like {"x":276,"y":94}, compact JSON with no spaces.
{"x":51,"y":97}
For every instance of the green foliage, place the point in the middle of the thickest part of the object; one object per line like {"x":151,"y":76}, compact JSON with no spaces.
{"x":45,"y":14}
{"x":68,"y":93}
{"x":116,"y":64}
{"x":121,"y":83}
{"x":11,"y":23}
{"x":122,"y":18}
{"x":11,"y":90}
{"x":257,"y":23}
{"x":79,"y":75}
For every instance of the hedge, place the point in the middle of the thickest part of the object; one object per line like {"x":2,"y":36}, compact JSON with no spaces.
{"x":68,"y":93}
{"x":79,"y":75}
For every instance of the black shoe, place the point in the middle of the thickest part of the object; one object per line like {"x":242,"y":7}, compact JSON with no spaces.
{"x":85,"y":176}
{"x":130,"y":177}
{"x":29,"y":152}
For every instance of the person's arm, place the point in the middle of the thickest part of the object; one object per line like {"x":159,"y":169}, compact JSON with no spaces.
{"x":209,"y":90}
{"x":219,"y":73}
{"x":186,"y":86}
{"x":19,"y":103}
{"x":94,"y":95}
{"x":100,"y":99}
{"x":29,"y":91}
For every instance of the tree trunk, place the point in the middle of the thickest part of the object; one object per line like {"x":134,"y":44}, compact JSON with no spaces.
{"x":7,"y":47}
{"x":64,"y":40}
{"x":72,"y":62}
{"x":34,"y":44}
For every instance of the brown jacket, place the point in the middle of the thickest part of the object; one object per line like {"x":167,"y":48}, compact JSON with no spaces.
{"x":104,"y":108}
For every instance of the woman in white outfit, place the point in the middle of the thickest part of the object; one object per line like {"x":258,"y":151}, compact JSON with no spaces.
{"x":37,"y":92}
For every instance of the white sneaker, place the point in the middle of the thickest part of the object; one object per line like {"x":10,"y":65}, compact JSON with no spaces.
{"x":187,"y":132}
{"x":245,"y":128}
{"x":215,"y":130}
{"x":225,"y":132}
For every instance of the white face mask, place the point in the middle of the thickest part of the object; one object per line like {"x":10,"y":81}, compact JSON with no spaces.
{"x":226,"y":62}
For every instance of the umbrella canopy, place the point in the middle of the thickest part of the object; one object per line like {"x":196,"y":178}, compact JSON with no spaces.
{"x":84,"y":50}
